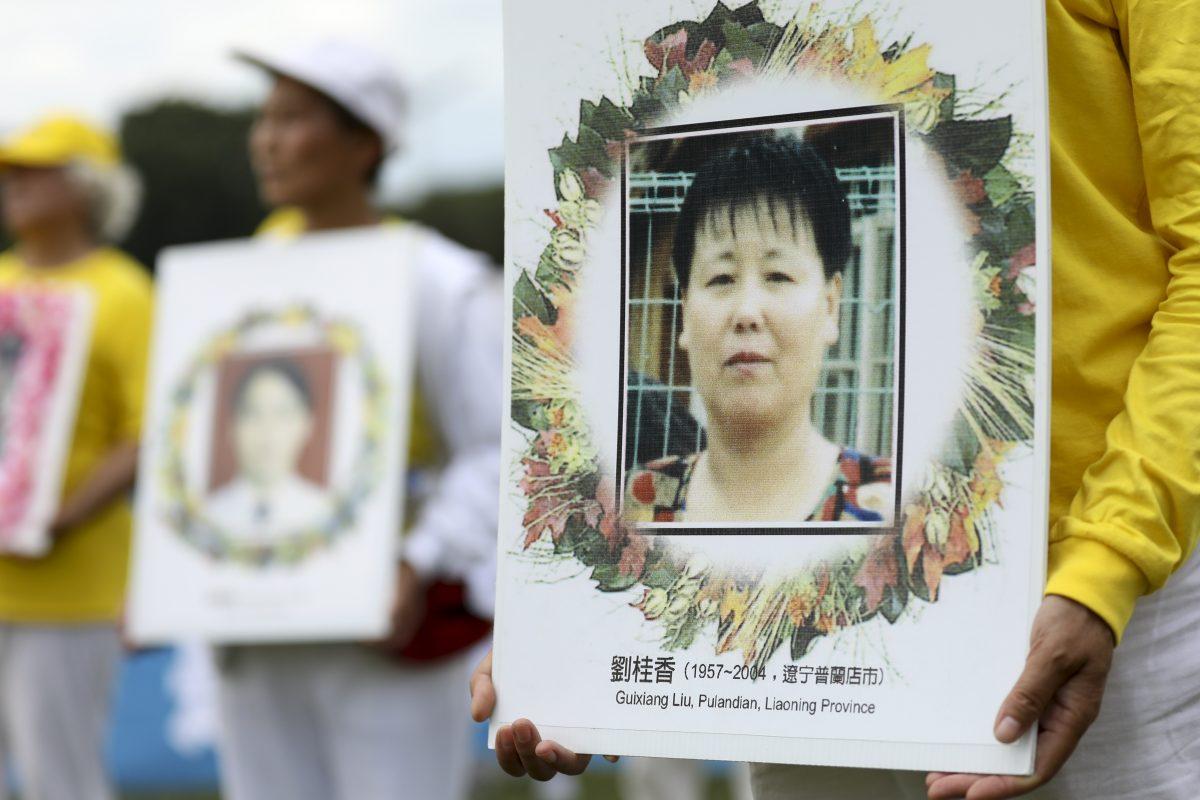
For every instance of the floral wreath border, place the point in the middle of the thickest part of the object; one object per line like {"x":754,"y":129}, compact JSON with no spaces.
{"x":184,"y":510}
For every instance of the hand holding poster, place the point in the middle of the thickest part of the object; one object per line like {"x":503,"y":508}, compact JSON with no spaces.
{"x":778,"y":387}
{"x":270,"y":503}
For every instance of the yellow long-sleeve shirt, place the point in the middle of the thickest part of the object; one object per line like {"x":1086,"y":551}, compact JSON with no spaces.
{"x":1125,"y":432}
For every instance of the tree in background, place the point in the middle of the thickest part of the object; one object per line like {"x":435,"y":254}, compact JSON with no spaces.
{"x":196,"y":173}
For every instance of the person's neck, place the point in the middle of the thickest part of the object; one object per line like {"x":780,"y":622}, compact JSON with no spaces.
{"x":349,"y":208}
{"x":767,"y":463}
{"x":56,"y":248}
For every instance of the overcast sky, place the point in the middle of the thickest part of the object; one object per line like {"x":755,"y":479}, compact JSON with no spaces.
{"x":103,"y":57}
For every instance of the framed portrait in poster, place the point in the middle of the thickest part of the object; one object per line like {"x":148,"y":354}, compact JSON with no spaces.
{"x":777,"y":379}
{"x":44,"y":338}
{"x":271,"y":494}
{"x":845,"y":327}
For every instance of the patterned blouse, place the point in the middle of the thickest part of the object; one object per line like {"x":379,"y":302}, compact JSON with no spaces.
{"x":860,"y":489}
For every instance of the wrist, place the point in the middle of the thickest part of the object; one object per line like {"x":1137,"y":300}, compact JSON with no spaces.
{"x":410,"y":577}
{"x":66,"y":519}
{"x":1085,"y":616}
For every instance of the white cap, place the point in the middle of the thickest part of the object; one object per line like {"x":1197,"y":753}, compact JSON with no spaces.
{"x":356,"y":78}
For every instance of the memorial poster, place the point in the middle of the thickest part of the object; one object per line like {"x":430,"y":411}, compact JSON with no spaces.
{"x":777,"y":450}
{"x":269,"y":502}
{"x":44,"y":339}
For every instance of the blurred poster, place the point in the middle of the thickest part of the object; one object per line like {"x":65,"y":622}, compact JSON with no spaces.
{"x":44,"y":336}
{"x":270,"y":500}
{"x":778,"y":386}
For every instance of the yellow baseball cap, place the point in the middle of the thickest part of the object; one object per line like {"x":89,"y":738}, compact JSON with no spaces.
{"x":57,"y":141}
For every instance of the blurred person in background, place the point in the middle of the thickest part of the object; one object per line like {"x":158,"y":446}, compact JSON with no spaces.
{"x":65,"y":195}
{"x":353,"y":721}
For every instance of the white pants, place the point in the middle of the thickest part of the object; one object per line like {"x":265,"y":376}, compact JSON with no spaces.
{"x":56,"y":685}
{"x":1145,"y":744}
{"x":342,"y":722}
{"x":675,"y":779}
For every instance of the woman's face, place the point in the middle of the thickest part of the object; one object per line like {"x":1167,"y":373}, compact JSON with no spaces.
{"x":302,"y":153}
{"x":41,"y":199}
{"x":758,"y":316}
{"x":271,"y":428}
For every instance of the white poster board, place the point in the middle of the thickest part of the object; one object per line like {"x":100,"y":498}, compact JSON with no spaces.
{"x":778,"y":378}
{"x":269,"y":502}
{"x":44,"y":338}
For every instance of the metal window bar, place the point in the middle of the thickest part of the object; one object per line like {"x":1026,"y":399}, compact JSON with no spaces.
{"x":853,"y":402}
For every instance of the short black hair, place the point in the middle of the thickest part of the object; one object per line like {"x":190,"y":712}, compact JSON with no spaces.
{"x":783,"y":170}
{"x":285,"y":368}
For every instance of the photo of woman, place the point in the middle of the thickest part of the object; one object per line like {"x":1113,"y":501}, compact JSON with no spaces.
{"x":761,"y":244}
{"x":271,"y":422}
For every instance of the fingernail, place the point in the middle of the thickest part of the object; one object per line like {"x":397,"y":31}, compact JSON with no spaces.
{"x":522,"y":734}
{"x":550,"y":757}
{"x":1008,"y":730}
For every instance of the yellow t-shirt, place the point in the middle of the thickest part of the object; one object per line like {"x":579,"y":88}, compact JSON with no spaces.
{"x":83,"y":578}
{"x":1125,"y":433}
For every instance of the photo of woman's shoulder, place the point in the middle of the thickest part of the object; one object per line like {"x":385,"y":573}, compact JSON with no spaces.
{"x":859,"y":490}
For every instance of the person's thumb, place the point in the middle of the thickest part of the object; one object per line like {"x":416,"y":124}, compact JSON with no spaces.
{"x":483,"y":693}
{"x":1046,"y":670}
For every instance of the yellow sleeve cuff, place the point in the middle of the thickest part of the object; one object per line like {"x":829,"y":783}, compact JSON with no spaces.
{"x":1095,"y":575}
